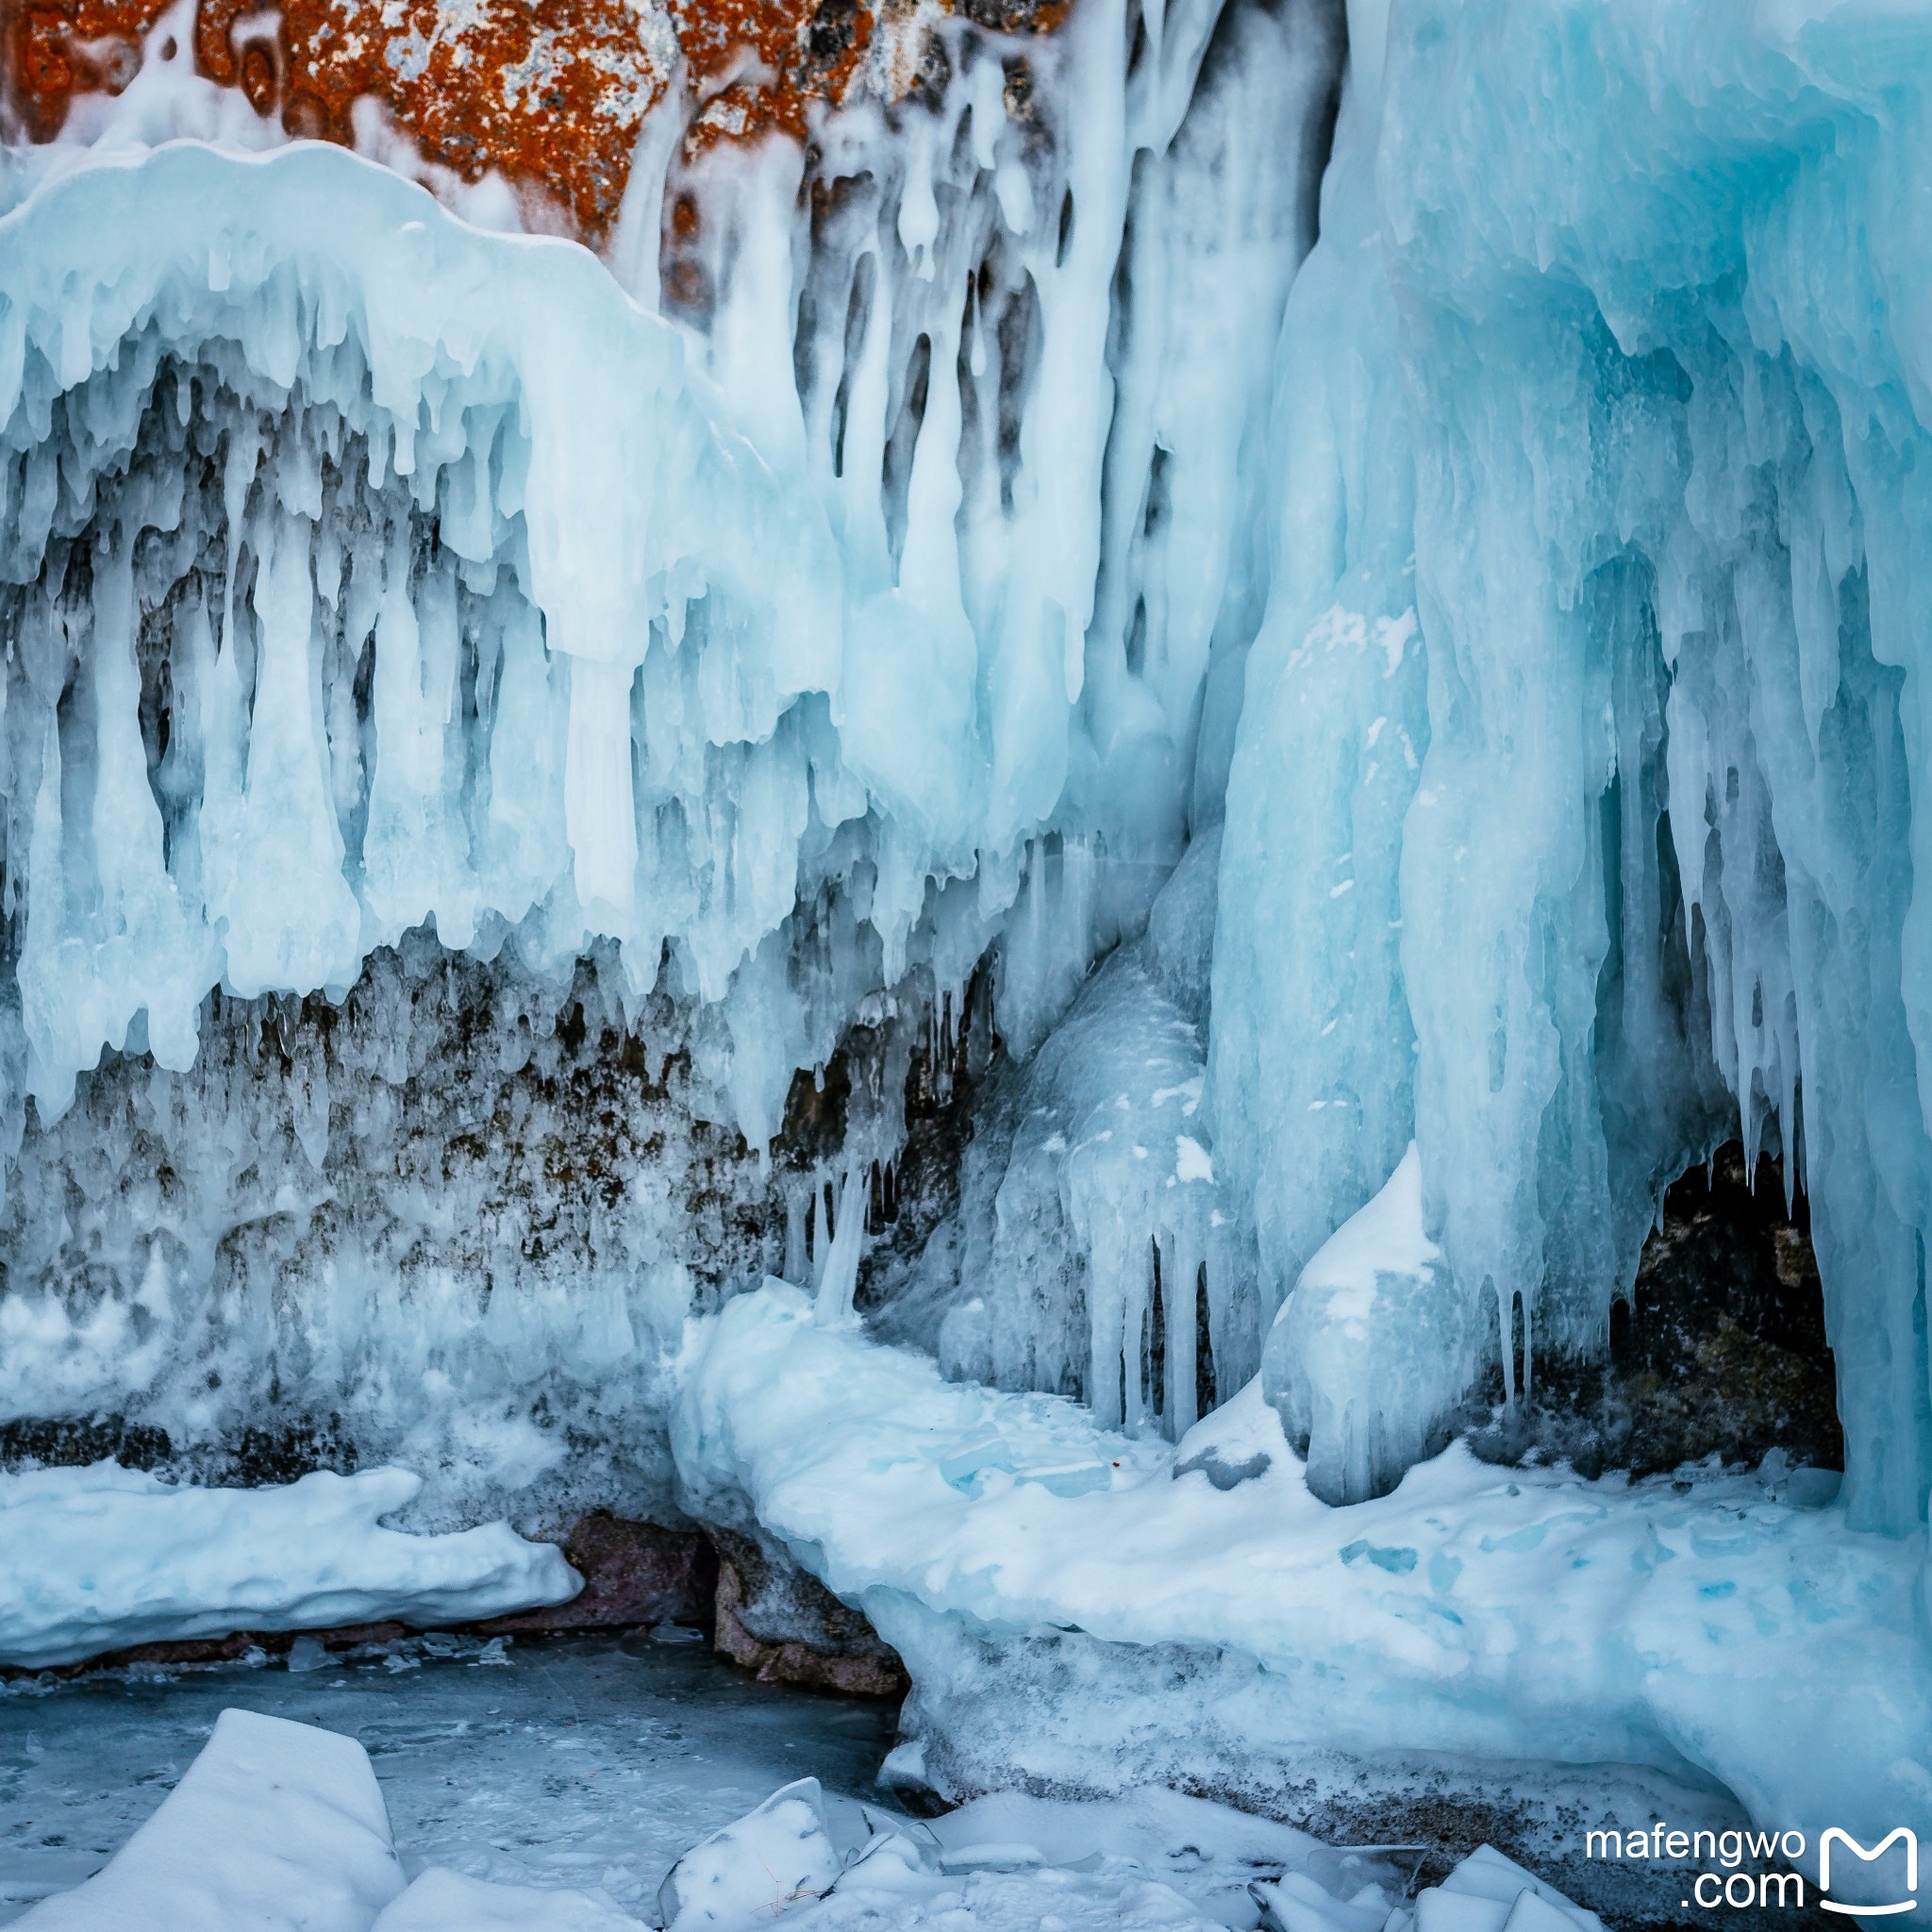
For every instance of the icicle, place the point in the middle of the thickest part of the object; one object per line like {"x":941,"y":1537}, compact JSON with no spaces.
{"x":838,"y":1282}
{"x":821,"y":1232}
{"x":797,"y":1253}
{"x":1180,"y":1265}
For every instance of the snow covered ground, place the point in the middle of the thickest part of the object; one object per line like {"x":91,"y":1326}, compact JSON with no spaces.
{"x":1082,"y":1611}
{"x":278,"y":1824}
{"x":1091,"y":1611}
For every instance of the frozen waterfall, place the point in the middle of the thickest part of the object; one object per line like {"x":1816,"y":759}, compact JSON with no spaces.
{"x":883,"y":609}
{"x":1577,"y":791}
{"x":1165,"y":720}
{"x":735,"y":684}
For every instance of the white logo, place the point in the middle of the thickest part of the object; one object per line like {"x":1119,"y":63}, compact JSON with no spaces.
{"x":1877,"y":1850}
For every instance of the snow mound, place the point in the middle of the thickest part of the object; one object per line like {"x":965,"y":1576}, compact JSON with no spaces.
{"x":280,"y":1827}
{"x":97,"y":1559}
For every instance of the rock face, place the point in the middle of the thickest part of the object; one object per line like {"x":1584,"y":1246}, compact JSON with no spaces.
{"x":551,"y":93}
{"x":634,"y":1574}
{"x":775,"y":1620}
{"x":1720,"y":1350}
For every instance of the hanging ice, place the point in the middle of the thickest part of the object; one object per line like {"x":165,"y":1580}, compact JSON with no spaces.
{"x":730,"y":687}
{"x":1617,"y":329}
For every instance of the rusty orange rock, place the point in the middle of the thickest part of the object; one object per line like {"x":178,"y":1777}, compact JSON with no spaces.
{"x":550,"y":92}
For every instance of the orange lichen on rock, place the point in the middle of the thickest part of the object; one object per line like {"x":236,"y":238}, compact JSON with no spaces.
{"x":759,"y":63}
{"x":552,"y":93}
{"x":55,"y":51}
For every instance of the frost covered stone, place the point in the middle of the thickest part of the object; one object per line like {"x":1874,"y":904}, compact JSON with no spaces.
{"x":764,"y":1864}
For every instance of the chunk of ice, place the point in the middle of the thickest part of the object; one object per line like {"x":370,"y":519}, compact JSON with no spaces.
{"x":275,"y":1827}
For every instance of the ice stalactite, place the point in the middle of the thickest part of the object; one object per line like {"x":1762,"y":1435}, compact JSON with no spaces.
{"x":375,"y":586}
{"x":1048,"y":1276}
{"x":1095,"y":1253}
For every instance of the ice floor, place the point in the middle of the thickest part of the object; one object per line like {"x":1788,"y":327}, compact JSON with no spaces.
{"x":278,"y":1823}
{"x":585,"y":1761}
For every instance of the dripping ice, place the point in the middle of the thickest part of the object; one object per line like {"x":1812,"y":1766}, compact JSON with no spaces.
{"x":353,"y":610}
{"x":1372,"y":743}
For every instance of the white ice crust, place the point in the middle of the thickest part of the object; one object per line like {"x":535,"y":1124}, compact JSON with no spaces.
{"x":102,"y":1558}
{"x":376,"y":574}
{"x":1477,"y":1612}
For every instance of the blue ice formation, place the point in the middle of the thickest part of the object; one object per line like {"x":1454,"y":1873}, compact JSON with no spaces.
{"x":1577,"y":796}
{"x":1412,"y":720}
{"x":392,"y":604}
{"x":1462,"y":671}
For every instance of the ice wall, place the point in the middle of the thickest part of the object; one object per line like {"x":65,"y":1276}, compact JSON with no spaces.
{"x":1629,"y":299}
{"x":372,"y":585}
{"x":888,"y":577}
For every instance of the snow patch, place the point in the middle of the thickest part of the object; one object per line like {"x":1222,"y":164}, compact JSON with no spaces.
{"x":275,"y":1827}
{"x":98,"y":1559}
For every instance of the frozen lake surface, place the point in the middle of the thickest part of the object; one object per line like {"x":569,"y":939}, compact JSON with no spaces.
{"x":585,"y":1761}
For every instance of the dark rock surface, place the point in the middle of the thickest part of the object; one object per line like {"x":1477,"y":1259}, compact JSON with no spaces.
{"x":1720,"y":1351}
{"x":634,"y":1574}
{"x":787,"y":1627}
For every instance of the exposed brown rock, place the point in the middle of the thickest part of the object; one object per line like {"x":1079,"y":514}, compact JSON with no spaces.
{"x":551,"y":93}
{"x":1720,"y":1351}
{"x":784,"y":1626}
{"x":634,"y":1573}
